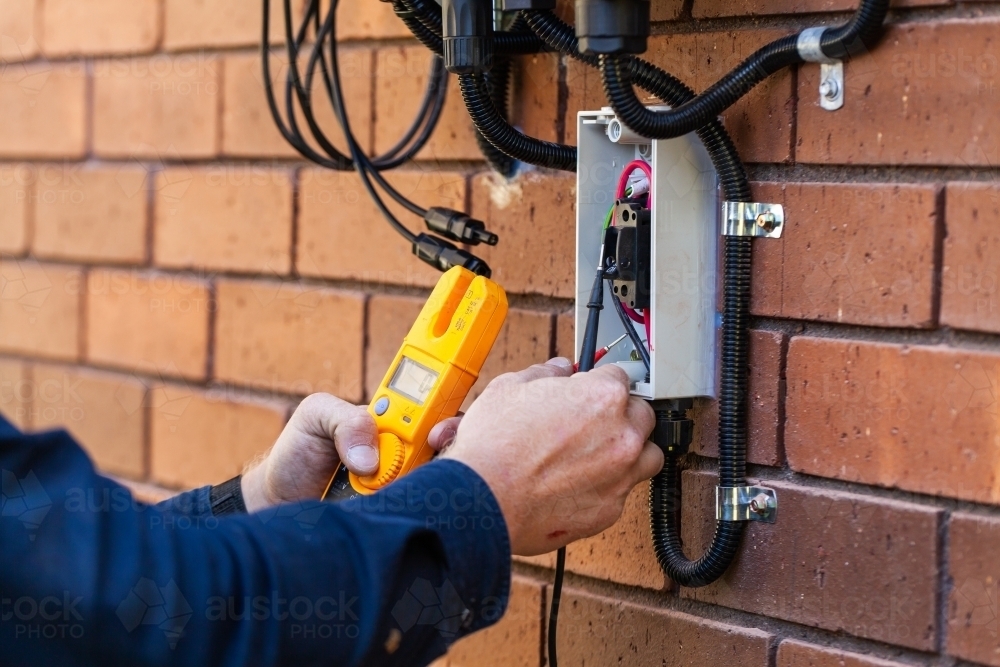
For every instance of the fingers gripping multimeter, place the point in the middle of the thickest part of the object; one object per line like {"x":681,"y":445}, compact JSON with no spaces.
{"x":432,"y":373}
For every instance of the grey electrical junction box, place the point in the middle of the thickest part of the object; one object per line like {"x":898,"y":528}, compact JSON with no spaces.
{"x":685,"y":215}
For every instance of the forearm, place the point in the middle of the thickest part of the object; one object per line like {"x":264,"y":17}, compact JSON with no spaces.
{"x":337,"y":584}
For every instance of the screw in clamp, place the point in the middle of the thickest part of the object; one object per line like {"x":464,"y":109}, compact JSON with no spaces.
{"x":752,"y":219}
{"x":746,"y":503}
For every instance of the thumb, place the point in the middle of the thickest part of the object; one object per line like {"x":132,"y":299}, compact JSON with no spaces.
{"x":351,"y":428}
{"x":443,"y":433}
{"x":356,"y":437}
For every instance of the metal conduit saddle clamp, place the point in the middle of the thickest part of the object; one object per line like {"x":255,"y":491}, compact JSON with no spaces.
{"x":831,"y":70}
{"x":752,"y":219}
{"x":746,"y":503}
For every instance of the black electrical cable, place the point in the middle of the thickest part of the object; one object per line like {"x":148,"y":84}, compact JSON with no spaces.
{"x":291,"y":133}
{"x":361,"y":161}
{"x":557,"y":584}
{"x":586,"y":363}
{"x":429,"y":112}
{"x":857,"y":35}
{"x":629,"y":325}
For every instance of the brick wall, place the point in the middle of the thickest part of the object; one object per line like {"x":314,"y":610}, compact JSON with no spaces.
{"x":174,"y":280}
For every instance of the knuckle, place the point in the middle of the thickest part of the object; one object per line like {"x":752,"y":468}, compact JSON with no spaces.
{"x":317,"y":400}
{"x":503,"y":380}
{"x":615,"y":393}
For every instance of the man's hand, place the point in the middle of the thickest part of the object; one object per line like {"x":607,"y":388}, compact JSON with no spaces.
{"x":322,"y":432}
{"x":559,"y":452}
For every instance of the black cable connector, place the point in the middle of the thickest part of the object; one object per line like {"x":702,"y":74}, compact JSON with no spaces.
{"x":467,"y":32}
{"x":443,"y":255}
{"x":458,"y":227}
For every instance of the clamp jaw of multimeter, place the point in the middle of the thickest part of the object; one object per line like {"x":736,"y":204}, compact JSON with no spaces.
{"x":436,"y":366}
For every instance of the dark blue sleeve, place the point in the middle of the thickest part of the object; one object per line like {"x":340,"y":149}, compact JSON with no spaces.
{"x":90,"y":577}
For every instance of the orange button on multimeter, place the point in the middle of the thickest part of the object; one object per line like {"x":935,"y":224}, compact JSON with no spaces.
{"x":432,"y":373}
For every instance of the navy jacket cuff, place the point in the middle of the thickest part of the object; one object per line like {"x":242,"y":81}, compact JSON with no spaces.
{"x":452,"y":501}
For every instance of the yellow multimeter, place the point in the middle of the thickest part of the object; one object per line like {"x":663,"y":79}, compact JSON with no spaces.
{"x":432,"y":373}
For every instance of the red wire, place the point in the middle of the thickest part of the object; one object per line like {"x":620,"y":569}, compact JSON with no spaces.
{"x":619,"y":193}
{"x":623,"y":179}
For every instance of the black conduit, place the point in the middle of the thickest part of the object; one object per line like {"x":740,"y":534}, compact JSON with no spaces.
{"x":498,"y":87}
{"x":489,"y":121}
{"x":856,"y":36}
{"x":500,"y":143}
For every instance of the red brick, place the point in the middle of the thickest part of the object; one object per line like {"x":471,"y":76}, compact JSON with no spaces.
{"x":843,"y":562}
{"x":798,"y":654}
{"x":290,"y":337}
{"x":369,"y":19}
{"x":191,"y":24}
{"x":764,"y":447}
{"x":566,"y":336}
{"x":971,"y":258}
{"x":974,"y":595}
{"x":535,"y":107}
{"x":109,"y":26}
{"x":334,"y":245}
{"x":761,"y":122}
{"x":525,"y":339}
{"x":716,"y":8}
{"x":585,"y":94}
{"x":515,"y":641}
{"x":600,"y":631}
{"x":897,"y":96}
{"x":831,"y":264}
{"x":206,"y":440}
{"x":103,"y":411}
{"x":154,"y":322}
{"x":390,"y":317}
{"x":225,"y":217}
{"x":19,"y":39}
{"x":624,"y":552}
{"x":90,"y":214}
{"x":43,"y":108}
{"x":401,"y":77}
{"x":878,"y":413}
{"x":40,"y":308}
{"x":164,"y":107}
{"x":15,"y":392}
{"x":248,"y":129}
{"x":16,"y":181}
{"x":666,"y":10}
{"x":535,"y":218}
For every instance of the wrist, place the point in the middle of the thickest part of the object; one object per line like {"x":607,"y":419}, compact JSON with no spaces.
{"x":253,"y":484}
{"x":506,"y":502}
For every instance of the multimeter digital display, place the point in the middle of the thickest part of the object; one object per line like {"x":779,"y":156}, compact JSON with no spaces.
{"x":436,"y":366}
{"x":413,"y":380}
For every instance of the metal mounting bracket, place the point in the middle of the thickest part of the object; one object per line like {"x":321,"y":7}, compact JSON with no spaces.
{"x":746,"y":503}
{"x":831,"y":85}
{"x":831,"y":71}
{"x":752,"y":219}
